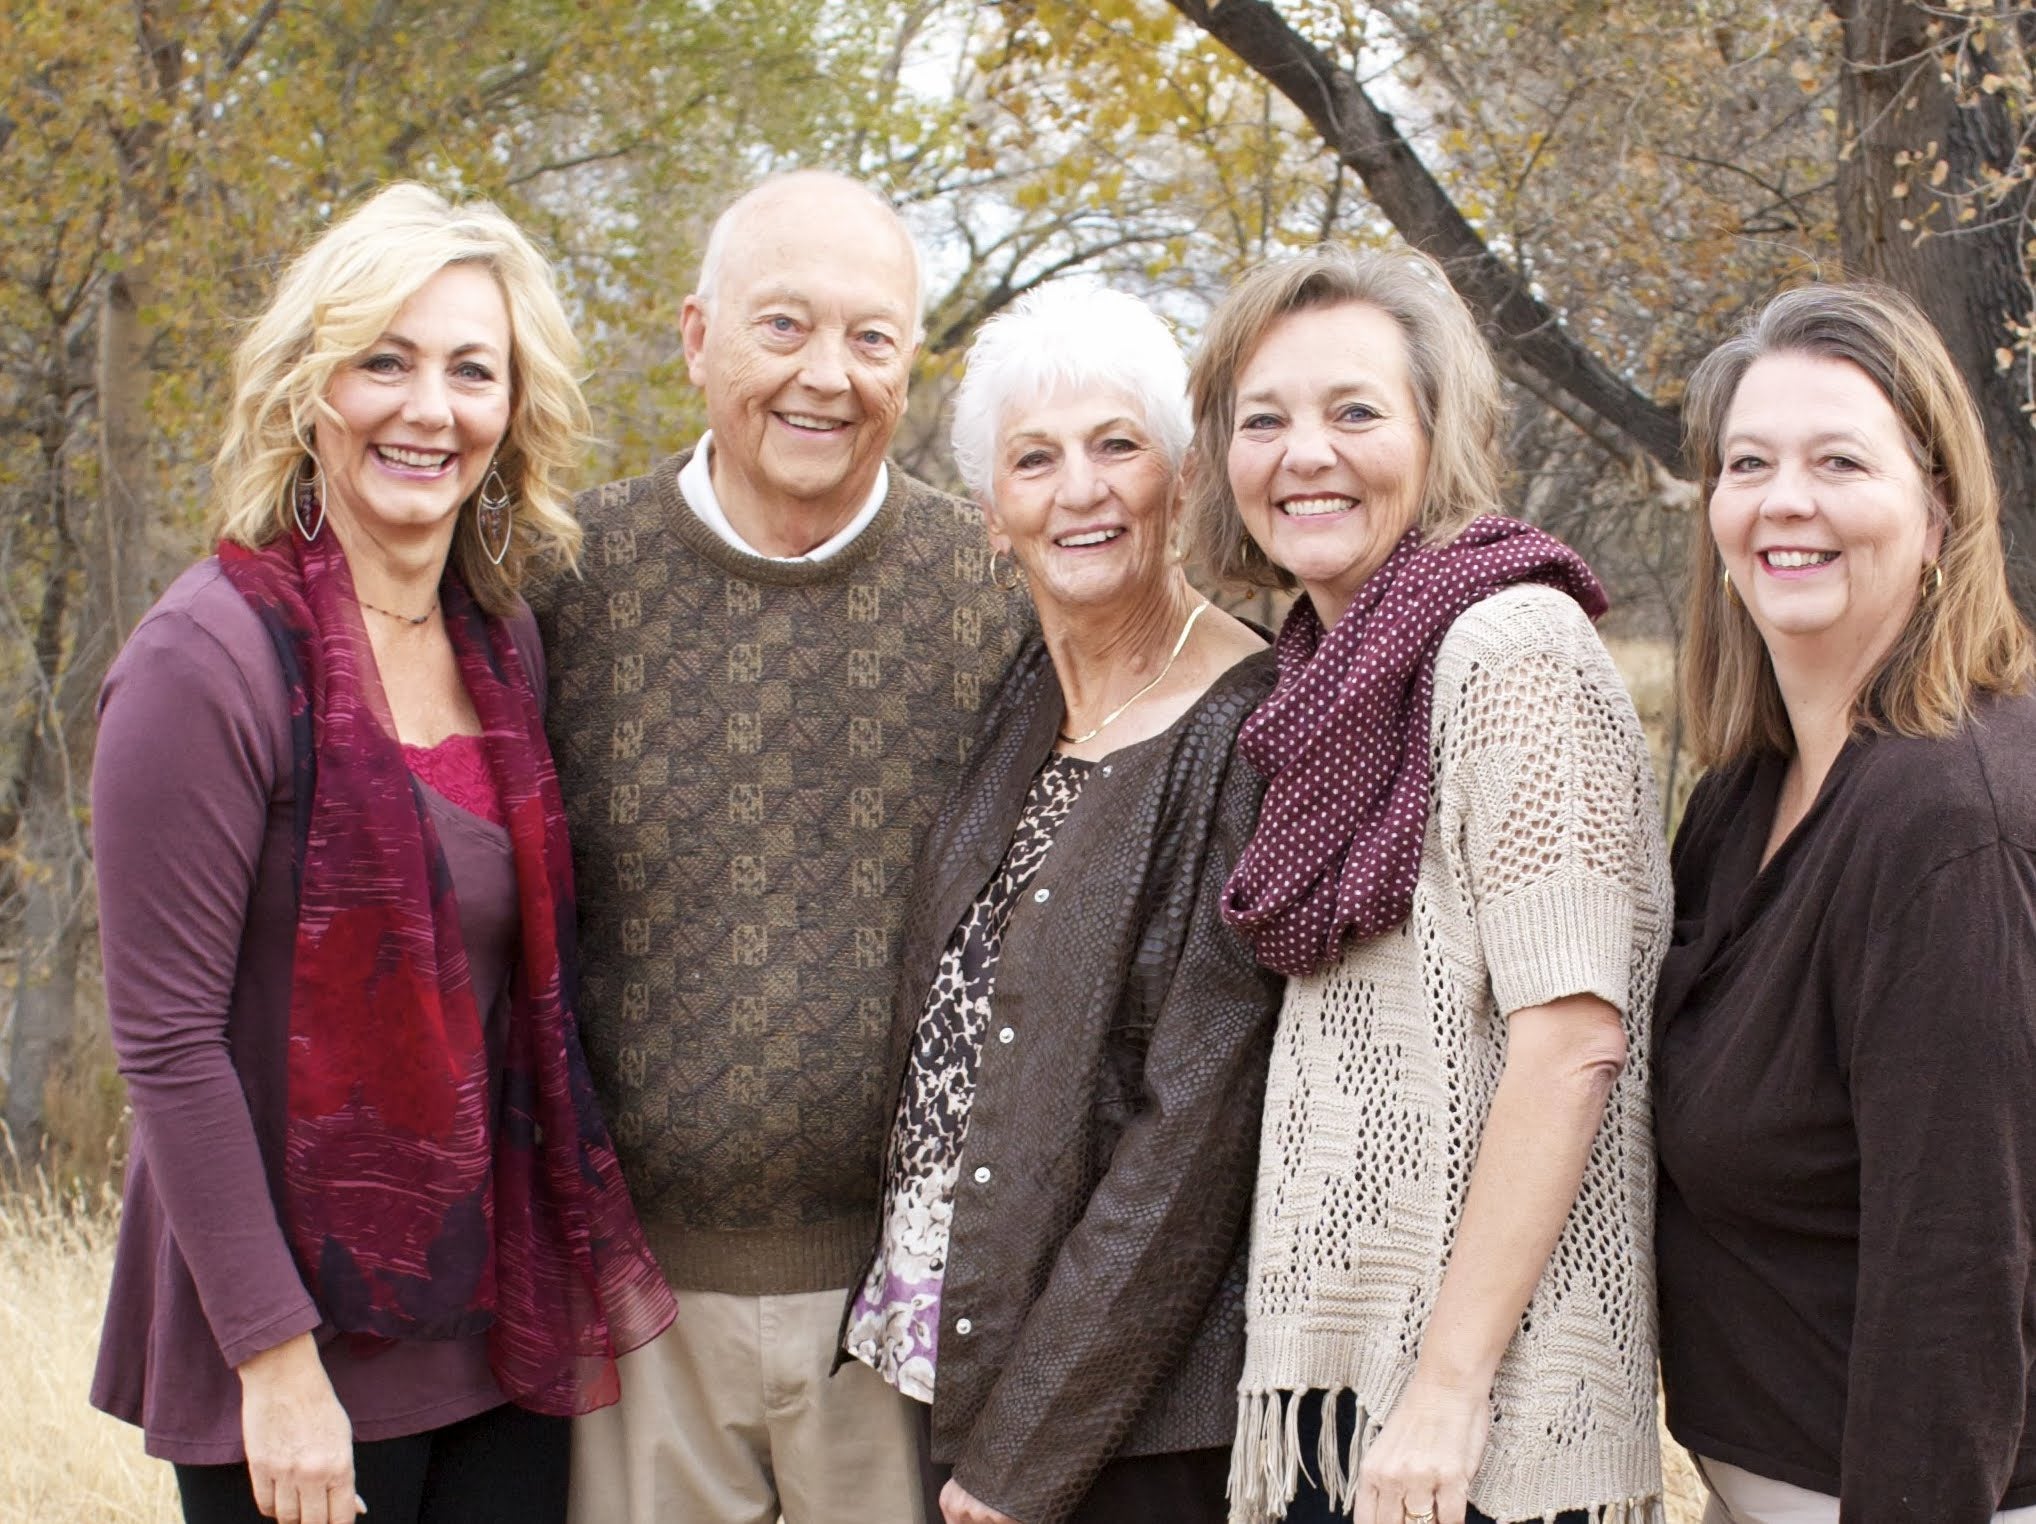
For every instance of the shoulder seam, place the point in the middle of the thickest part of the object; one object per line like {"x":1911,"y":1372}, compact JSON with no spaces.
{"x":233,"y":662}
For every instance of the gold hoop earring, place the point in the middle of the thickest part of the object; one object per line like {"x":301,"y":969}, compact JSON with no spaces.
{"x":1933,"y":579}
{"x":1725,"y":582}
{"x":491,"y":516}
{"x":1017,"y":572}
{"x":307,"y":497}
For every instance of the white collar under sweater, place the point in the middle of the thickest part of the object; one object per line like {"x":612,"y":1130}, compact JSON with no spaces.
{"x":696,"y":486}
{"x":1543,"y":874}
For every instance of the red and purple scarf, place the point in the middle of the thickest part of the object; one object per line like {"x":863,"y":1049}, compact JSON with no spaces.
{"x":1342,"y":741}
{"x":416,"y":1208}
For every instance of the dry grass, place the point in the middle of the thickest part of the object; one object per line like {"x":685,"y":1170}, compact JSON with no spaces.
{"x":1649,"y":669}
{"x":60,"y":1461}
{"x":63,"y":1463}
{"x":1685,"y":1494}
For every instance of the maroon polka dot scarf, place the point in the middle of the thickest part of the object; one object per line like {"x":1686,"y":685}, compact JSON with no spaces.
{"x":1342,"y":741}
{"x":425,"y":1197}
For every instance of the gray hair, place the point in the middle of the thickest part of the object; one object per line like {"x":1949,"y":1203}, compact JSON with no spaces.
{"x":718,"y":236}
{"x":1069,"y":335}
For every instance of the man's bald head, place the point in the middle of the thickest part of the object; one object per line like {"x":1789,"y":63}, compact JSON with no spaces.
{"x":820,"y":197}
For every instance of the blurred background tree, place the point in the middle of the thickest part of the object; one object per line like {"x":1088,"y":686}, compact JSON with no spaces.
{"x":1612,"y":186}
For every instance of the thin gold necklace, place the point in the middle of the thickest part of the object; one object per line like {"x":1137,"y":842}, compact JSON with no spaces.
{"x":1179,"y":645}
{"x":392,"y":614}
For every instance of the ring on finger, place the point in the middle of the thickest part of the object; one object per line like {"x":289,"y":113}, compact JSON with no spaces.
{"x":1426,"y":1516}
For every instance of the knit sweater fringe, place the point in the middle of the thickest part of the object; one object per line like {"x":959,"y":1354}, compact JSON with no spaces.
{"x":1265,"y":1465}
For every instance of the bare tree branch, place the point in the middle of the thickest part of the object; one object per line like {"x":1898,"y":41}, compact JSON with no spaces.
{"x":238,"y":50}
{"x":560,"y":166}
{"x":1366,"y":139}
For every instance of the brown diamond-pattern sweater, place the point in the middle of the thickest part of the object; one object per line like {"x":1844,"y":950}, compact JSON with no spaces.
{"x":750,"y":750}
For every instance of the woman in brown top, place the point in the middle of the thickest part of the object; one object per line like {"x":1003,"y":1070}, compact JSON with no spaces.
{"x":1059,"y":1272}
{"x":1848,"y":1013}
{"x":375,"y":1245}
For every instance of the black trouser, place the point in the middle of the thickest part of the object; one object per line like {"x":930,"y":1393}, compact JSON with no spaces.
{"x":1311,"y":1503}
{"x":1182,"y":1487}
{"x":501,"y":1465}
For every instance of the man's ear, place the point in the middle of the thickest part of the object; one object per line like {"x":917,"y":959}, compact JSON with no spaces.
{"x":693,"y":335}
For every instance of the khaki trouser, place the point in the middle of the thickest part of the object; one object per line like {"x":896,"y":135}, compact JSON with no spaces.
{"x":1740,"y":1497}
{"x":730,"y":1417}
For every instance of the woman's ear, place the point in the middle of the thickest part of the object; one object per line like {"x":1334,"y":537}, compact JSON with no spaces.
{"x":999,"y":540}
{"x":1185,"y":481}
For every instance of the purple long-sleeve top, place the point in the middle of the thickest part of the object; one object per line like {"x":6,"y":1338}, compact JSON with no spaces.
{"x":191,"y":832}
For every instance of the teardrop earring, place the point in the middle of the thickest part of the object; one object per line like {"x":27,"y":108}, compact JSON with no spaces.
{"x":307,"y":499}
{"x":491,"y":516}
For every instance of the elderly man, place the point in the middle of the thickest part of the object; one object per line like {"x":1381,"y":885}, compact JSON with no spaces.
{"x":759,"y":691}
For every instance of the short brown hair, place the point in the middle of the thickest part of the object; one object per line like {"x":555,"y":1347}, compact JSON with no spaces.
{"x":1456,"y":391}
{"x":1962,"y":638}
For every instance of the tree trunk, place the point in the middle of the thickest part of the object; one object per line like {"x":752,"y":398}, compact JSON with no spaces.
{"x":53,"y":927}
{"x":115,"y":555}
{"x":108,"y":552}
{"x":1970,"y":281}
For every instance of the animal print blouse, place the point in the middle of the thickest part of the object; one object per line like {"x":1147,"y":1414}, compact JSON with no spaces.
{"x":895,"y":1324}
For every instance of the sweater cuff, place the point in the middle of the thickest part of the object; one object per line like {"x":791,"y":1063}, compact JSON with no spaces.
{"x":280,"y":1328}
{"x":1555,"y":939}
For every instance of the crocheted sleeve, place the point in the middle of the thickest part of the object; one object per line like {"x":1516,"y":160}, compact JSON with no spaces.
{"x":1545,"y":788}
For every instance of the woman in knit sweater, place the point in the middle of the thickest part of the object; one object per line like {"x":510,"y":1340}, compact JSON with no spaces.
{"x":1847,"y":1018}
{"x":1459,"y":864}
{"x":375,"y":1246}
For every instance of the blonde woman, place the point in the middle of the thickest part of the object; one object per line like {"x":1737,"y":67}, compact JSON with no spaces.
{"x":375,"y":1246}
{"x":1848,"y":1015}
{"x":1450,"y":1310}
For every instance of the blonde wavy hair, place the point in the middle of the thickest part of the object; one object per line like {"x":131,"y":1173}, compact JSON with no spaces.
{"x":1963,"y":637}
{"x":1456,"y":392}
{"x":337,"y":298}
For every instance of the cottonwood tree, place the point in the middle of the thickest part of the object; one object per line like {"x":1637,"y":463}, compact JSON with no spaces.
{"x":1928,"y":145}
{"x":159,"y":160}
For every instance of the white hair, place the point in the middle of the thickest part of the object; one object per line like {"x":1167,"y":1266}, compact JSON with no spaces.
{"x":1071,"y":335}
{"x":716,"y":253}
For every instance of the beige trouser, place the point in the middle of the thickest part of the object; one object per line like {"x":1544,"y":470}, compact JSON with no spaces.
{"x":1740,"y":1497}
{"x":730,"y":1417}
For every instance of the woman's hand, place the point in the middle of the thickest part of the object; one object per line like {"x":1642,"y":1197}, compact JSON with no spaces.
{"x":299,"y":1441}
{"x":957,"y":1507}
{"x":1421,"y":1464}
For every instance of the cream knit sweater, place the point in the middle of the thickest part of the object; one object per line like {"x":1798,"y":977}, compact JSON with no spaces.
{"x":1543,"y":874}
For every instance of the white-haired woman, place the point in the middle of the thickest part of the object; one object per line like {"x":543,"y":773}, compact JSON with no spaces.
{"x":1082,"y":1041}
{"x":375,"y":1245}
